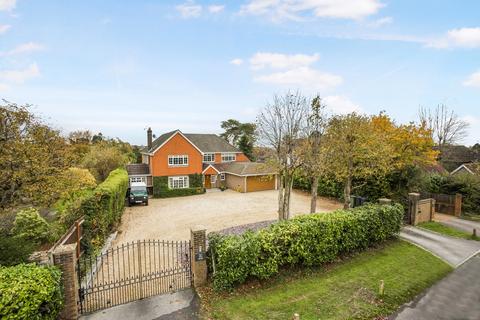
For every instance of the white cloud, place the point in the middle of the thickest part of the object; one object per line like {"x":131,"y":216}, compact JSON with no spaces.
{"x":20,"y":76}
{"x":4,"y":87}
{"x":302,"y":78}
{"x":216,"y":8}
{"x":294,"y":9}
{"x":189,"y":10}
{"x":236,"y":61}
{"x":7,"y":5}
{"x":461,"y":38}
{"x":341,"y":104}
{"x":4,"y":28}
{"x":24,"y":48}
{"x":381,"y":22}
{"x":473,"y":80}
{"x":281,"y":61}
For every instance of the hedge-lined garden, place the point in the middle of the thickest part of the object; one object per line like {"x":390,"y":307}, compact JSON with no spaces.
{"x":305,"y":241}
{"x":161,"y":189}
{"x":28,"y":291}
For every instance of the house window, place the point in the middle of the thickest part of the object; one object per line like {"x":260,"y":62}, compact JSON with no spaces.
{"x":209,"y":157}
{"x":178,"y":161}
{"x":213,"y":179}
{"x":222,"y":176}
{"x":180,"y":182}
{"x":229,"y":157}
{"x":138,"y":179}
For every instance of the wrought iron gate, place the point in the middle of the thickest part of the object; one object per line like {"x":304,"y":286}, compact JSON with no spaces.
{"x":133,"y":271}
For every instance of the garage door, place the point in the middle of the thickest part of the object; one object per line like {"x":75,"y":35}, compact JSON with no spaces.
{"x":259,"y":183}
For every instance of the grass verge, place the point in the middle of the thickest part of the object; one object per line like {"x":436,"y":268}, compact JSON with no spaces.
{"x":448,"y":231}
{"x":347,"y":289}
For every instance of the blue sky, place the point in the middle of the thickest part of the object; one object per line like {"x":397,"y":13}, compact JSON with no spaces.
{"x":121,"y":66}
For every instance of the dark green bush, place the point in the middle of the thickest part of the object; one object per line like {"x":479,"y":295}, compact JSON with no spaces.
{"x":305,"y":241}
{"x":14,"y":250}
{"x":103,"y":208}
{"x":28,"y":291}
{"x":161,"y":190}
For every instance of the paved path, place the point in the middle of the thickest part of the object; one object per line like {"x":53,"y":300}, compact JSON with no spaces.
{"x":182,"y":305}
{"x":457,"y":223}
{"x":452,"y":250}
{"x":457,"y":296}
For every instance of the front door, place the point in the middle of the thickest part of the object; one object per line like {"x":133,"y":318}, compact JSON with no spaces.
{"x":208,"y":183}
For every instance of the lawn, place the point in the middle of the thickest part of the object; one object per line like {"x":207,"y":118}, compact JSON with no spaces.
{"x":347,"y":289}
{"x":448,"y":231}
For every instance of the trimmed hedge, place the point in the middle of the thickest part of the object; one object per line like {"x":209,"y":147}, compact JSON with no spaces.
{"x":28,"y":291}
{"x":161,"y":190}
{"x":103,"y":208}
{"x":305,"y":241}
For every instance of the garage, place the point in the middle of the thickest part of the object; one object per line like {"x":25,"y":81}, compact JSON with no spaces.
{"x":260,"y":183}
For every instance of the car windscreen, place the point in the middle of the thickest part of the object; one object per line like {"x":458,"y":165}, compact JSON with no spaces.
{"x":138,"y":191}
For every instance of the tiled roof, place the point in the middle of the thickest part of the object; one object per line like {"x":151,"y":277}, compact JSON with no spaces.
{"x":243,"y":168}
{"x":204,"y":142}
{"x":137,"y":169}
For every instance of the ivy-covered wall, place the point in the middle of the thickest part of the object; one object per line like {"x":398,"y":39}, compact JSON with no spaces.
{"x":161,"y":190}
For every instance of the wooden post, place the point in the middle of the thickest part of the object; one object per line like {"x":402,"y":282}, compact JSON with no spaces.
{"x":458,"y":205}
{"x":432,"y":209}
{"x":413,"y":199}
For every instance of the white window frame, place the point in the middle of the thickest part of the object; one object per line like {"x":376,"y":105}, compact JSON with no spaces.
{"x":213,"y":178}
{"x":209,"y":157}
{"x":138,"y":179}
{"x":229,"y":157}
{"x":222,"y":176}
{"x":178,"y":160}
{"x":178,"y":182}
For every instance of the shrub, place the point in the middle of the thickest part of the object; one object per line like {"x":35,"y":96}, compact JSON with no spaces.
{"x":30,"y":226}
{"x":28,"y":291}
{"x":14,"y":250}
{"x":103,"y":208}
{"x":305,"y":241}
{"x":161,"y":190}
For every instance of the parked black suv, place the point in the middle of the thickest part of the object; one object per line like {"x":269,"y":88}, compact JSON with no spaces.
{"x":138,"y":193}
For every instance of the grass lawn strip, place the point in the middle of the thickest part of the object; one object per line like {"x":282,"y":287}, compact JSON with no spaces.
{"x":344,"y":290}
{"x":447,"y":230}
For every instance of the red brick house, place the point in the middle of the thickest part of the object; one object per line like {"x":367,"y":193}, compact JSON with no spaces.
{"x":179,"y":155}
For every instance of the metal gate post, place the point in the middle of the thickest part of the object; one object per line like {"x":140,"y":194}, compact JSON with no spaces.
{"x":140,"y":284}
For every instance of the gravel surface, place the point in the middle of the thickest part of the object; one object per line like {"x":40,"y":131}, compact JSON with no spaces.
{"x":172,"y":218}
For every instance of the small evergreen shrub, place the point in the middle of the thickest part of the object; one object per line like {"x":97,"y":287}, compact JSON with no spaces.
{"x":30,"y":226}
{"x":161,"y":190}
{"x":307,"y":240}
{"x":28,"y":291}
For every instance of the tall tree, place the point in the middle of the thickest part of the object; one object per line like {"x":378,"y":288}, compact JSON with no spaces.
{"x":32,"y":157}
{"x":241,"y":135}
{"x":281,"y":126}
{"x":445,"y":125}
{"x":352,"y":149}
{"x":312,"y":162}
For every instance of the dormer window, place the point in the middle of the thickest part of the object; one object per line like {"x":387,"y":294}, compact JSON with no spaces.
{"x":229,"y":157}
{"x":209,"y":157}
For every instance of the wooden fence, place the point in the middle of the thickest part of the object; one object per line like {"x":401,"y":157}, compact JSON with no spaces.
{"x":446,"y":203}
{"x":73,"y":235}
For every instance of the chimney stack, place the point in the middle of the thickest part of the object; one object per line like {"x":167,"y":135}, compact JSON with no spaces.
{"x":149,"y":138}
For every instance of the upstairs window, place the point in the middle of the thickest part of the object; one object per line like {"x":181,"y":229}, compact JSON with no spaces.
{"x":180,"y":182}
{"x":178,"y":161}
{"x":209,"y":157}
{"x":229,"y":157}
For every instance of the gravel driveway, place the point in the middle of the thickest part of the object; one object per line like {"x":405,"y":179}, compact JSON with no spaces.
{"x":171,"y":218}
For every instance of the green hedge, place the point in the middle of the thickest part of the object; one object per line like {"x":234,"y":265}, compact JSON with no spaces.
{"x":306,"y":241}
{"x":103,"y":208}
{"x":161,"y":190}
{"x":28,"y":291}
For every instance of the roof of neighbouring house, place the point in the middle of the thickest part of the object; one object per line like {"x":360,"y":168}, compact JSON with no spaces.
{"x":205,"y":142}
{"x":138,"y":169}
{"x":471,"y":167}
{"x":242,"y":168}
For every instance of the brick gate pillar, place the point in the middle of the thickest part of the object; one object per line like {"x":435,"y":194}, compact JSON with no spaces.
{"x":65,"y":258}
{"x":198,"y":236}
{"x":413,"y":199}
